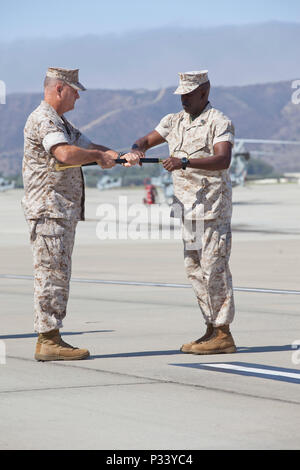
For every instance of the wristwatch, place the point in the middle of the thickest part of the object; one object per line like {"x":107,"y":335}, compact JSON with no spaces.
{"x":184,"y":162}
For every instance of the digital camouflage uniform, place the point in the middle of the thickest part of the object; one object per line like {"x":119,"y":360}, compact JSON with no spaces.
{"x":208,"y":197}
{"x":53,"y":204}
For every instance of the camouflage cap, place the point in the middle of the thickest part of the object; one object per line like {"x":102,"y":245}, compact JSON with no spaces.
{"x":189,"y":81}
{"x":68,"y":76}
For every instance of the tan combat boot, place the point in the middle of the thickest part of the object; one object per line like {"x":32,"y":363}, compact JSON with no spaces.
{"x":220,"y":342}
{"x":51,"y":347}
{"x":187,"y":348}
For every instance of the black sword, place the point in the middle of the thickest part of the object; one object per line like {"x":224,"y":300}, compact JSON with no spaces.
{"x":61,"y":166}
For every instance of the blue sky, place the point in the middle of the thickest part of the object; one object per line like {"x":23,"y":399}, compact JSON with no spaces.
{"x":56,"y":18}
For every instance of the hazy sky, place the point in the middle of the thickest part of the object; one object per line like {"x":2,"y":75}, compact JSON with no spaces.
{"x":54,"y":18}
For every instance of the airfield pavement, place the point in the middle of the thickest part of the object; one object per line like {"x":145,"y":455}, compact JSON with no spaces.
{"x":137,"y":390}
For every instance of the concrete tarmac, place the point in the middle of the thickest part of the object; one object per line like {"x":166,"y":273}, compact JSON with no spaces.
{"x":137,"y":390}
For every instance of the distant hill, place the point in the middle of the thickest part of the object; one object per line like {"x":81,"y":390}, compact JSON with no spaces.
{"x":116,"y":118}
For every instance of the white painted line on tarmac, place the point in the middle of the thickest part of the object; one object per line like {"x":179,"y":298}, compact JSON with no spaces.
{"x":266,"y":291}
{"x":156,"y":284}
{"x":254,"y":370}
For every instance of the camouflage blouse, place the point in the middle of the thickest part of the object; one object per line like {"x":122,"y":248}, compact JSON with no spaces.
{"x":50,"y":193}
{"x":207,"y":193}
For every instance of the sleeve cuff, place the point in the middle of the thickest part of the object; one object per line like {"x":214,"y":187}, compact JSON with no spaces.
{"x":52,"y":139}
{"x":224,"y":138}
{"x":162,"y":131}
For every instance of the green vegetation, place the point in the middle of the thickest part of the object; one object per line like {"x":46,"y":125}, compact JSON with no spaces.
{"x":258,"y":168}
{"x":18,"y":179}
{"x":134,"y":176}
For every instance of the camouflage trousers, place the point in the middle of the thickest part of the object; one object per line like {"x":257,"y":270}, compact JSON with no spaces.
{"x":52,"y":242}
{"x":207,"y":269}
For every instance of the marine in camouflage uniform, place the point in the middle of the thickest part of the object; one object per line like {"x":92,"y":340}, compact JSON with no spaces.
{"x":207,"y":268}
{"x":54,"y":203}
{"x":205,"y":199}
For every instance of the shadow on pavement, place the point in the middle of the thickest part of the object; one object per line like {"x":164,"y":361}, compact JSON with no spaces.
{"x":171,"y":352}
{"x":137,"y":354}
{"x":67,"y":333}
{"x":257,"y":349}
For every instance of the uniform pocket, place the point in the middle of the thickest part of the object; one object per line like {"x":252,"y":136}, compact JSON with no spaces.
{"x":51,"y":227}
{"x":198,"y":144}
{"x":49,"y":242}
